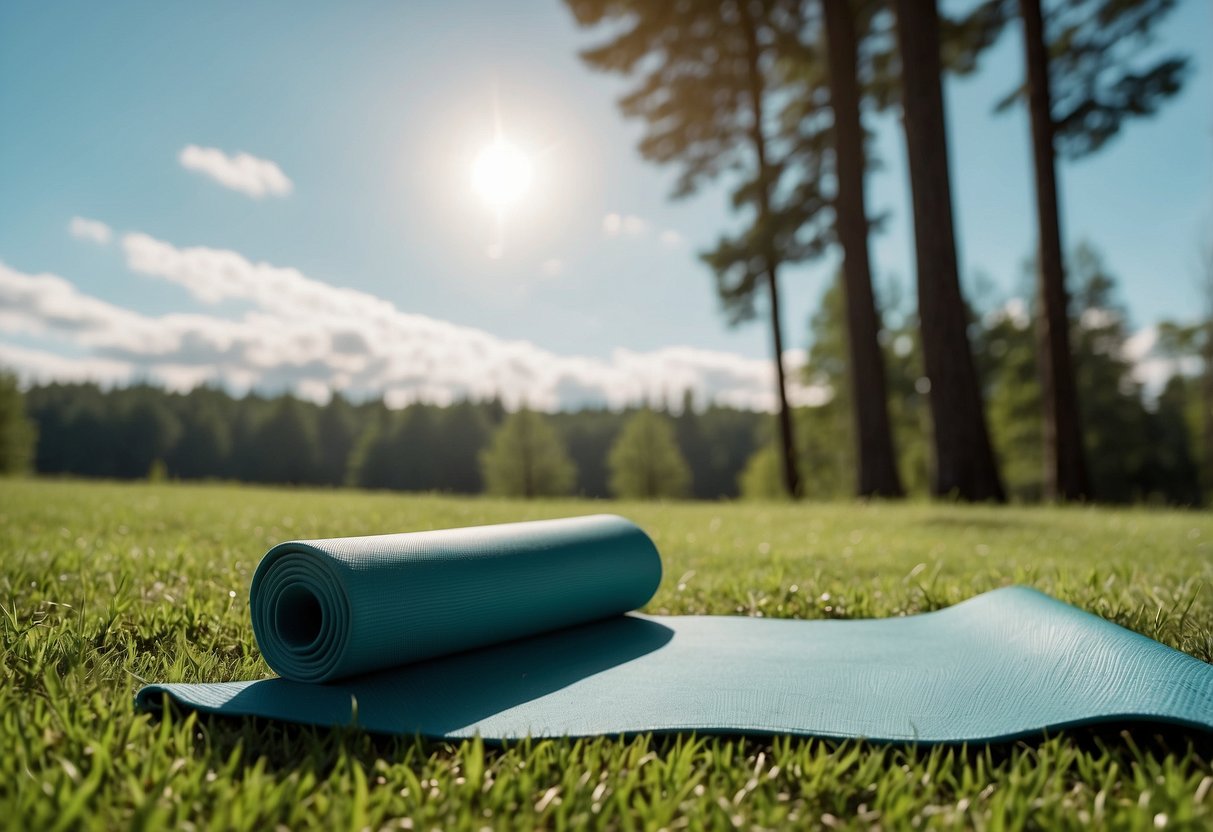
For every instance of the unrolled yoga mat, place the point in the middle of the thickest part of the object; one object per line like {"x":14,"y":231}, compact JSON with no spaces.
{"x":523,"y":629}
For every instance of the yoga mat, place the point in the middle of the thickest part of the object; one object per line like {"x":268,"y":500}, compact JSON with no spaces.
{"x":524,"y":629}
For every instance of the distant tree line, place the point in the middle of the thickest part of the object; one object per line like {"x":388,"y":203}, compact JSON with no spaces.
{"x":465,"y":448}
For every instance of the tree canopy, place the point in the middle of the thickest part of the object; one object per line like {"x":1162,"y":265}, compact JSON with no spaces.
{"x":17,"y":431}
{"x":645,"y":461}
{"x":526,"y":458}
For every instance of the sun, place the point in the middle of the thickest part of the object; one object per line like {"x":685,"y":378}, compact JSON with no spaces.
{"x":501,"y":174}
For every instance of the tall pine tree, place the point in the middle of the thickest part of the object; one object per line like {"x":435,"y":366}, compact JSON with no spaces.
{"x":1084,"y":79}
{"x":964,"y":463}
{"x":710,"y":99}
{"x":877,"y":467}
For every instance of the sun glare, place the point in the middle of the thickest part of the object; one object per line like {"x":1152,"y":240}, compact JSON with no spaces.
{"x":501,"y":174}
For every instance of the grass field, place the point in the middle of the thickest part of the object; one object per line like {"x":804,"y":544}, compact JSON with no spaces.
{"x":105,"y":586}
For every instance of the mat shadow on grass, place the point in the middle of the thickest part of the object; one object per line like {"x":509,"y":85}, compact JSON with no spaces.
{"x":452,"y":692}
{"x":291,"y":747}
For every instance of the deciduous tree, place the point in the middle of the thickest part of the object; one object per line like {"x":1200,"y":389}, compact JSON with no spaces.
{"x":645,"y":461}
{"x":527,"y":459}
{"x":17,"y":431}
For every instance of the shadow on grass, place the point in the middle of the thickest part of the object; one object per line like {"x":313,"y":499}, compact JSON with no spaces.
{"x":286,"y":747}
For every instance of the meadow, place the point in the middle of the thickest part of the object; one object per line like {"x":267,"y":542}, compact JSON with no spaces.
{"x":106,"y":586}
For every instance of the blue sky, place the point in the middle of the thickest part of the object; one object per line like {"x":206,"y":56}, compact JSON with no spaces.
{"x":374,"y":112}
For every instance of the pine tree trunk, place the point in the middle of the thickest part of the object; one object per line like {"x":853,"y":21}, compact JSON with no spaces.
{"x":964,"y":461}
{"x":1065,"y":463}
{"x":791,"y":474}
{"x":1206,"y":390}
{"x":877,"y":474}
{"x":528,"y":458}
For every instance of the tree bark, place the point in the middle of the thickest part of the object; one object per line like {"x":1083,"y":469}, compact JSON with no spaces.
{"x":1206,"y":388}
{"x":964,"y":461}
{"x":877,"y":475}
{"x":528,"y":454}
{"x":1065,"y":463}
{"x":791,"y":473}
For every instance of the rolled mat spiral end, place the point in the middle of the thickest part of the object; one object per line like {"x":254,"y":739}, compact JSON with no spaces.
{"x":301,"y":615}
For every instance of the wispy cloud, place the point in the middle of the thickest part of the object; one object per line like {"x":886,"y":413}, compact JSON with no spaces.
{"x":242,"y":172}
{"x":1152,"y":368}
{"x":620,"y":225}
{"x":301,"y":334}
{"x":39,"y":366}
{"x":1014,"y":310}
{"x":624,"y":225}
{"x":94,"y":231}
{"x":671,"y":238}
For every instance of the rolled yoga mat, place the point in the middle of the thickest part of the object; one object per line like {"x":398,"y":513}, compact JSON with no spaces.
{"x":525,"y":629}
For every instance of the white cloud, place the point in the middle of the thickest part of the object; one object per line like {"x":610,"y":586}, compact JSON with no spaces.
{"x":1098,"y":317}
{"x":1014,"y":310}
{"x":624,"y":225}
{"x":1152,"y":369}
{"x":552,"y":267}
{"x":242,"y":172}
{"x":300,"y":334}
{"x":308,"y":336}
{"x":93,"y":231}
{"x":38,"y":366}
{"x":1141,"y":344}
{"x":46,"y":304}
{"x":617,"y":224}
{"x":634,"y":226}
{"x":671,"y":238}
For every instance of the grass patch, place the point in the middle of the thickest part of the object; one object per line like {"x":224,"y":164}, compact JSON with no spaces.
{"x":105,"y":586}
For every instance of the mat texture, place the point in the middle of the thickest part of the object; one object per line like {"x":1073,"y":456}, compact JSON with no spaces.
{"x":520,"y":629}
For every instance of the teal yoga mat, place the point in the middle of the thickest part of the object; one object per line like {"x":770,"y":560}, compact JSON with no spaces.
{"x":525,"y":629}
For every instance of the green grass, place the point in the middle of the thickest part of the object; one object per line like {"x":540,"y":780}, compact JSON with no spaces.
{"x":105,"y":586}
